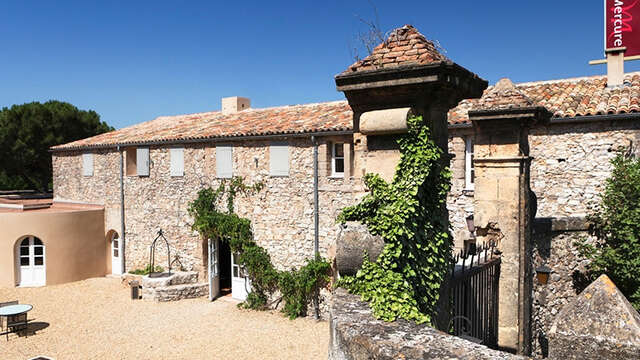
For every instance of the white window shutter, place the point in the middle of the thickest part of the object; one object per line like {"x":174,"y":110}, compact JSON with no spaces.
{"x":142,"y":161}
{"x":177,"y":161}
{"x":224,"y":161}
{"x":87,"y":164}
{"x":279,"y":159}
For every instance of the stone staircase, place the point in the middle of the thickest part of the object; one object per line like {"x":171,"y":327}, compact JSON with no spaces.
{"x":174,"y":287}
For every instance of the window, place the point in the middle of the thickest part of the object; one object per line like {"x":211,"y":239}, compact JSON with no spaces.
{"x":177,"y":161}
{"x":224,"y":161}
{"x":469,"y":172}
{"x":142,"y":161}
{"x":279,"y":159}
{"x":337,"y":160}
{"x":87,"y":164}
{"x":132,"y":167}
{"x":137,"y":161}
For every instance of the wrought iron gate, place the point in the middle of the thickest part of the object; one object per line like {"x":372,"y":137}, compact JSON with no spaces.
{"x":474,"y":290}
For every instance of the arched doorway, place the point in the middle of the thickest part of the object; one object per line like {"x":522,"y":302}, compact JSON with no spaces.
{"x":116,"y":252}
{"x":30,"y":259}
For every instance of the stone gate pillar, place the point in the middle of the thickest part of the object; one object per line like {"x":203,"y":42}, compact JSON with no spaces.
{"x":403,"y":76}
{"x":501,"y":122}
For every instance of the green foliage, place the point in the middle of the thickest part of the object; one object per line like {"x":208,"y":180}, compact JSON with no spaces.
{"x":28,"y":131}
{"x":296,"y":286}
{"x":147,"y":270}
{"x":410,"y":215}
{"x":616,"y":226}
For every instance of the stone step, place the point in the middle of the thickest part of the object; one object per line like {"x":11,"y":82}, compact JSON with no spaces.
{"x":176,"y":278}
{"x":175,"y":292}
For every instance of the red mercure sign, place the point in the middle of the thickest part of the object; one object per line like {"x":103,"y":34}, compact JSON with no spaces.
{"x":622,"y":25}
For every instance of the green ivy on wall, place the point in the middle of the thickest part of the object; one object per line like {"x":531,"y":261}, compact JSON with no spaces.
{"x":215,"y":221}
{"x":410,"y":215}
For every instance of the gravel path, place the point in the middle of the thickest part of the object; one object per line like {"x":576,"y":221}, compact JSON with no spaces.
{"x":95,"y":319}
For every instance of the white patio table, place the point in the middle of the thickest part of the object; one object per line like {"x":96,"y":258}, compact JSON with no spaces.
{"x":13,"y":310}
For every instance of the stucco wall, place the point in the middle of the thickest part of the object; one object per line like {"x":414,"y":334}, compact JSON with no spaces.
{"x":281,"y":214}
{"x":75,"y":244}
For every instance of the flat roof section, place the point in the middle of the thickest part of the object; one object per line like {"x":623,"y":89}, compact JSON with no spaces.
{"x":18,"y":205}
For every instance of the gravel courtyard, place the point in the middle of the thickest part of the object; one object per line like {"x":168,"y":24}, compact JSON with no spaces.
{"x":95,"y":319}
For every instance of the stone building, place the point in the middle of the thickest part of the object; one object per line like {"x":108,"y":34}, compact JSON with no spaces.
{"x":164,"y":162}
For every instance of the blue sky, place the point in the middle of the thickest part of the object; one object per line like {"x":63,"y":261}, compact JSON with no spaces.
{"x":134,"y":60}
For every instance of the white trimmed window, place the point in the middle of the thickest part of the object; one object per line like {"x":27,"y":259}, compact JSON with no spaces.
{"x":224,"y":161}
{"x":87,"y":164}
{"x":469,"y":172}
{"x":337,"y":160}
{"x":279,"y":159}
{"x":176,"y":156}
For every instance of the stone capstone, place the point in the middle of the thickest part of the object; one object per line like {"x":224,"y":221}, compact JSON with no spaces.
{"x":598,"y":324}
{"x":357,"y":335}
{"x":352,"y":242}
{"x":388,"y":121}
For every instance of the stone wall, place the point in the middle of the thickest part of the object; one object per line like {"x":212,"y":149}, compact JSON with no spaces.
{"x":570,"y":164}
{"x":460,"y":199}
{"x":553,"y":247}
{"x":281,"y":214}
{"x":357,"y":335}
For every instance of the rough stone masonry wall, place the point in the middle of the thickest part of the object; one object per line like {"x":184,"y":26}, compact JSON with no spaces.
{"x":572,"y":161}
{"x":570,"y":165}
{"x":281,"y":214}
{"x":356,"y":335}
{"x":459,"y":199}
{"x":554,"y":247}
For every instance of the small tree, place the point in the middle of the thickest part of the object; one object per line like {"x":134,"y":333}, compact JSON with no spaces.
{"x":616,"y":226}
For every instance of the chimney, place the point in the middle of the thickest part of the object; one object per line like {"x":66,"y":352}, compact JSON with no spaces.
{"x":615,"y":67}
{"x":234,"y":104}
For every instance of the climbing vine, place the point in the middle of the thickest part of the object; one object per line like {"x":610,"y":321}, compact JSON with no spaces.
{"x":410,"y":215}
{"x":214,"y":218}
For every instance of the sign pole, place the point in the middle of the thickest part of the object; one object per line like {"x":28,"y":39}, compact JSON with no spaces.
{"x":621,"y":37}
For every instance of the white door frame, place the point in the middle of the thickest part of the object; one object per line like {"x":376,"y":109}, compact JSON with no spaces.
{"x":240,"y":284}
{"x":116,"y":261}
{"x":31,"y":275}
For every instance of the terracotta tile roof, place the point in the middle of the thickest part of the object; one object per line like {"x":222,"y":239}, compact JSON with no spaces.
{"x":405,"y":46}
{"x":503,"y":95}
{"x":564,"y":98}
{"x":569,"y":97}
{"x":321,"y":117}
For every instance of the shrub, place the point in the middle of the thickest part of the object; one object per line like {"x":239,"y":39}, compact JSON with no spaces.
{"x":616,"y":225}
{"x":147,"y":270}
{"x":213,"y":222}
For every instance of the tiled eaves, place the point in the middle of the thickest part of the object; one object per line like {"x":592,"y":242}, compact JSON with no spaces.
{"x":203,"y":139}
{"x":571,"y":98}
{"x":299,"y":120}
{"x":579,"y":99}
